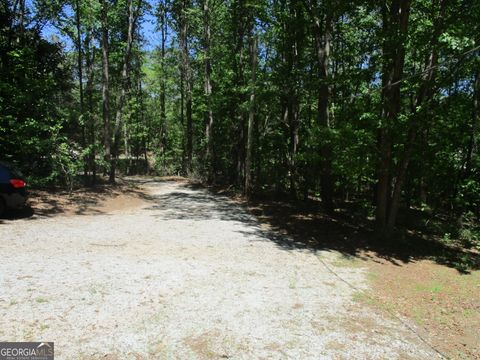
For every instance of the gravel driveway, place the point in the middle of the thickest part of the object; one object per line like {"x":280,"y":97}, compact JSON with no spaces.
{"x":189,"y":275}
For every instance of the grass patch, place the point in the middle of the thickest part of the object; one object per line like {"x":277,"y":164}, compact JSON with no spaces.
{"x":441,"y":300}
{"x":369,"y":299}
{"x":348,"y":261}
{"x":432,"y":288}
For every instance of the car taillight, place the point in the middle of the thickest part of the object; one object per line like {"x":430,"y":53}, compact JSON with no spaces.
{"x":17,"y":183}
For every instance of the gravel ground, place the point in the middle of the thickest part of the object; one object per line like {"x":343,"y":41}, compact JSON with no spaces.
{"x":188,"y":275}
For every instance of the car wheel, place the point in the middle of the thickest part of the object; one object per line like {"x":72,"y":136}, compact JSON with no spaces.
{"x":2,"y":206}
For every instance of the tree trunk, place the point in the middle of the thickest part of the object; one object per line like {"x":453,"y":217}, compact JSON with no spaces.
{"x":182,"y":116}
{"x":241,"y":25}
{"x":425,"y":93}
{"x":90,"y":61}
{"x":208,"y":93}
{"x":105,"y":83}
{"x":126,"y":145}
{"x":143,"y":122}
{"x":395,"y":28}
{"x":291,"y":115}
{"x":21,"y":20}
{"x":132,"y":18}
{"x":251,"y":115}
{"x":163,"y":115}
{"x":323,"y":44}
{"x":80,"y":80}
{"x":240,"y":166}
{"x":187,"y":82}
{"x":472,"y":144}
{"x":291,"y":54}
{"x":189,"y":121}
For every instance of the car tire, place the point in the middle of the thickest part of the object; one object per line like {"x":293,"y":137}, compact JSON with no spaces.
{"x":2,"y":206}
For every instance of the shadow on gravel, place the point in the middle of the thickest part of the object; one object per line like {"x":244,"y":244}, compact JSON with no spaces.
{"x":304,"y":225}
{"x":203,"y":205}
{"x":84,"y":201}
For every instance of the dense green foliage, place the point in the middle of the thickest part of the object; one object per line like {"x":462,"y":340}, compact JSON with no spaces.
{"x":370,"y":101}
{"x":34,"y":96}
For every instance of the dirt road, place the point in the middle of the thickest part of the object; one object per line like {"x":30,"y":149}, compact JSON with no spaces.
{"x":187,"y":275}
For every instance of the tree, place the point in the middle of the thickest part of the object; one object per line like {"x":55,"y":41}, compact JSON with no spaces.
{"x":322,"y":23}
{"x":208,"y":90}
{"x":186,"y":84}
{"x":105,"y":85}
{"x":251,"y":115}
{"x":132,"y":18}
{"x":395,"y":30}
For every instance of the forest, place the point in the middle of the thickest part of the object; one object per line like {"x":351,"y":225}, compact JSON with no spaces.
{"x":375,"y":103}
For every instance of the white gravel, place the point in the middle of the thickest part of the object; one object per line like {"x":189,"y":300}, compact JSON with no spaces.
{"x":188,"y":276}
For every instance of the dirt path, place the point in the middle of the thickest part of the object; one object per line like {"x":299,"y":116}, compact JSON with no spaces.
{"x":185,"y":276}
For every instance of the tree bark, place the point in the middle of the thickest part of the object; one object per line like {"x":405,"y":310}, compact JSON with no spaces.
{"x":322,"y":27}
{"x":472,"y":144}
{"x":424,"y":93}
{"x":291,"y":56}
{"x":105,"y":82}
{"x":187,"y":85}
{"x":21,"y":20}
{"x":395,"y":28}
{"x":208,"y":92}
{"x":132,"y":18}
{"x":241,"y":25}
{"x":251,"y":117}
{"x":163,"y":115}
{"x":80,"y":80}
{"x":291,"y":115}
{"x":90,"y":62}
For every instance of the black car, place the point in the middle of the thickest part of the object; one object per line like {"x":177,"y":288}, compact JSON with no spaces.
{"x":13,"y":194}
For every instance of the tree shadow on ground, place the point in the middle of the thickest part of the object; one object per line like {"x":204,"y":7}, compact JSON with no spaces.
{"x":295,"y":225}
{"x":52,"y":202}
{"x":194,"y":205}
{"x":306,"y":224}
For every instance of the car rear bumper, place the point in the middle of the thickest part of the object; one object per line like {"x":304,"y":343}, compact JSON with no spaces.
{"x":15,"y":200}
